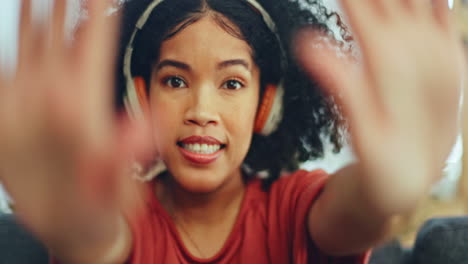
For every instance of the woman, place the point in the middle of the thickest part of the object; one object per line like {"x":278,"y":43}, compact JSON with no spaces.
{"x":199,"y":74}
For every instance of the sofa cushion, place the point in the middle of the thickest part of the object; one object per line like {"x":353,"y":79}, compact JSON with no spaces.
{"x":17,"y":245}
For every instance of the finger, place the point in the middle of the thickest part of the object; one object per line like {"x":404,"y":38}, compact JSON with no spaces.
{"x":384,"y":8}
{"x":340,"y":77}
{"x":418,"y":7}
{"x":133,"y":141}
{"x":369,"y":31}
{"x":99,"y":36}
{"x":366,"y":26}
{"x":3,"y":75}
{"x":96,"y":51}
{"x":94,"y":35}
{"x":58,"y":29}
{"x":135,"y":138}
{"x":358,"y":13}
{"x":41,"y":35}
{"x":25,"y":31}
{"x":7,"y":73}
{"x":441,"y":13}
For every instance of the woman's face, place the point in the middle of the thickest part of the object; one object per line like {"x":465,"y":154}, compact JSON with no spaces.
{"x":204,"y":96}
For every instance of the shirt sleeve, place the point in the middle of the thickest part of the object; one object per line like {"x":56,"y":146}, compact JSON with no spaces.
{"x":291,"y":198}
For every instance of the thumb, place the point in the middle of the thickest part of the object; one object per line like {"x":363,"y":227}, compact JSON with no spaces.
{"x":134,"y":140}
{"x":339,"y":74}
{"x":105,"y":178}
{"x":324,"y":60}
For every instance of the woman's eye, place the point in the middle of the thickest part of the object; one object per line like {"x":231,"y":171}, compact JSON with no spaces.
{"x":175,"y":82}
{"x":233,"y":85}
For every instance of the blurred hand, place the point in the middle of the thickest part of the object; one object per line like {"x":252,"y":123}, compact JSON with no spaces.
{"x":64,"y":152}
{"x":402,"y":101}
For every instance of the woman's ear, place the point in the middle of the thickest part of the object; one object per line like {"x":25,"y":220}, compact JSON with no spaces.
{"x":141,"y":91}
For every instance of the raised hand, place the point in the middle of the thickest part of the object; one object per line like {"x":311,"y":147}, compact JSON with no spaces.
{"x":63,"y":151}
{"x":402,"y":100}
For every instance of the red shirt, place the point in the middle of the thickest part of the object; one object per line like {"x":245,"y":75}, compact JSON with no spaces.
{"x":270,"y":228}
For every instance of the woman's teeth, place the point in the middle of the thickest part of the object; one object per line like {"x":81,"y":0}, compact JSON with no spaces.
{"x":201,"y":148}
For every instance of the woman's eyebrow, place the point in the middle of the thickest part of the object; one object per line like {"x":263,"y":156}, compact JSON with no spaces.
{"x":186,"y":67}
{"x":172,"y":63}
{"x":234,"y":62}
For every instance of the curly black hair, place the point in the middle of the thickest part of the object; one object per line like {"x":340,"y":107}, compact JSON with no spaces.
{"x":309,"y":115}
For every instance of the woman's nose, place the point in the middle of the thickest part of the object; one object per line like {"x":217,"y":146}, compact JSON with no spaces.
{"x":202,"y":111}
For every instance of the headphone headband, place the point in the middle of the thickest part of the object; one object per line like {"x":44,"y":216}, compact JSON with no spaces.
{"x":131,"y":101}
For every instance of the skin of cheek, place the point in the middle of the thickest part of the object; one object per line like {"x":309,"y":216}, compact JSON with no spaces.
{"x":236,"y":115}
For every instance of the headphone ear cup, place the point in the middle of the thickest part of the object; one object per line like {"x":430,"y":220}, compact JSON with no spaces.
{"x":264,"y":109}
{"x":143,"y":99}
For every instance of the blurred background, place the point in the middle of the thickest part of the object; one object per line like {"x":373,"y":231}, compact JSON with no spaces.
{"x":449,"y":196}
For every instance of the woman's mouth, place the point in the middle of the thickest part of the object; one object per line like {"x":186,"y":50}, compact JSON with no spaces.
{"x":201,"y":148}
{"x":201,"y":153}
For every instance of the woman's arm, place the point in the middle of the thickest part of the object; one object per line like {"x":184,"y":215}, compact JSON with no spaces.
{"x":344,"y":221}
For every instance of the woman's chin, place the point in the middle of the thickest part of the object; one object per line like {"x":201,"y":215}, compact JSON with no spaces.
{"x":201,"y":182}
